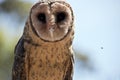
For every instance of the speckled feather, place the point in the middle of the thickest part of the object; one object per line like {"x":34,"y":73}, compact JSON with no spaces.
{"x":38,"y":59}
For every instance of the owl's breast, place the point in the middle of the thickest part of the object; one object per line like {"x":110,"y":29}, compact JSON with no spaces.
{"x":47,"y":63}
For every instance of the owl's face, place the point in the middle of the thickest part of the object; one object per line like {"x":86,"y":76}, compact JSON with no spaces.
{"x":51,"y":21}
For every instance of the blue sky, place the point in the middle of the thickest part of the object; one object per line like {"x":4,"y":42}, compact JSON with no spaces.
{"x":97,"y":25}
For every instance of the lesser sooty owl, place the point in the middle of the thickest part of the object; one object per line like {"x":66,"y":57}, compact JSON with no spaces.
{"x":44,"y":52}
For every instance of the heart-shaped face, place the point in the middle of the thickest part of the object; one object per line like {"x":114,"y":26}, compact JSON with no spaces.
{"x":51,"y":21}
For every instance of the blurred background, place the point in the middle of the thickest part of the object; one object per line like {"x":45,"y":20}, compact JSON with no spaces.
{"x":96,"y":43}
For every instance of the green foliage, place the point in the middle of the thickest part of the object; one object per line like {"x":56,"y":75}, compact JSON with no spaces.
{"x":6,"y":55}
{"x":17,"y":6}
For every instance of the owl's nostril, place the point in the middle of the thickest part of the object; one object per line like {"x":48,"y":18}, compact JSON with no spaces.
{"x":51,"y":29}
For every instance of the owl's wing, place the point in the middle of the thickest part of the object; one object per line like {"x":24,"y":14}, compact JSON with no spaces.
{"x":69,"y":69}
{"x":18,"y":71}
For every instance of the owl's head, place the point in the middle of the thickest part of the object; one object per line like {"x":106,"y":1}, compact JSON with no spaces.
{"x":51,"y":20}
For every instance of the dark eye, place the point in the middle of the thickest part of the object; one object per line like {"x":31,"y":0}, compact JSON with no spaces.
{"x":61,"y":16}
{"x":41,"y":17}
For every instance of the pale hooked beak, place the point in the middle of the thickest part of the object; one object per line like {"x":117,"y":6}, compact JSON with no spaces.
{"x":51,"y":31}
{"x":51,"y":28}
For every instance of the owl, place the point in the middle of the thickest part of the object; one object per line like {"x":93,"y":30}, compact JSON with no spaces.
{"x":44,"y":52}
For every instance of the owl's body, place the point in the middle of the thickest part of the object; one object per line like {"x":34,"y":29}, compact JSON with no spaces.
{"x":44,"y":52}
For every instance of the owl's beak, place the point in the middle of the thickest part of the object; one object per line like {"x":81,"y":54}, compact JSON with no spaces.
{"x":51,"y":30}
{"x":51,"y":25}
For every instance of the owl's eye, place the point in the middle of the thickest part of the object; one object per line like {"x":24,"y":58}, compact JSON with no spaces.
{"x":41,"y":17}
{"x":61,"y":16}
